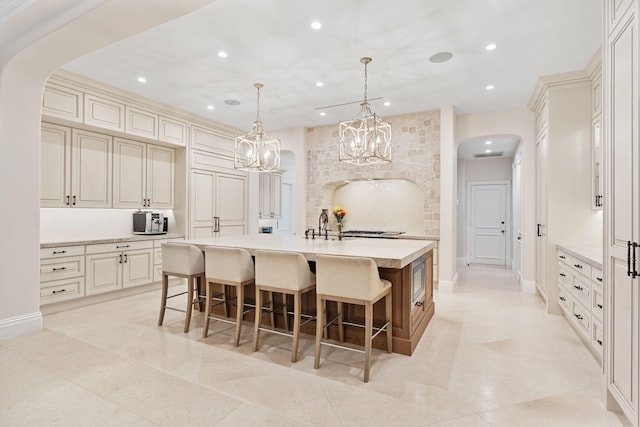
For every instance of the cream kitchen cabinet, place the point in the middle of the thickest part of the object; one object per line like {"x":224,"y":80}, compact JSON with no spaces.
{"x":621,"y":104}
{"x":104,"y":113}
{"x":112,"y":266}
{"x":76,"y":168}
{"x":218,"y":203}
{"x":143,"y":175}
{"x":209,"y":139}
{"x":62,"y":102}
{"x":140,"y":122}
{"x":172,"y":131}
{"x":61,"y":273}
{"x":270,"y":195}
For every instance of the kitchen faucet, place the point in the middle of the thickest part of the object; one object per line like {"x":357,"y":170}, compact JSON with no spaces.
{"x":323,"y":221}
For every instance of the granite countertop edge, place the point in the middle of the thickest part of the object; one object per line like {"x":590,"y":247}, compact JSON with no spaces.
{"x":100,"y":240}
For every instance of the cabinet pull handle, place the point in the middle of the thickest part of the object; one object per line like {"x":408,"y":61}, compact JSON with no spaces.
{"x":563,"y":275}
{"x":68,"y":197}
{"x":216,"y":224}
{"x":599,"y":342}
{"x":57,"y":292}
{"x":578,"y":316}
{"x":577,"y":265}
{"x":578,"y":287}
{"x":120,"y":262}
{"x":599,"y":279}
{"x":539,"y":225}
{"x":563,"y":299}
{"x":59,"y":252}
{"x":59,"y":268}
{"x":74,"y":200}
{"x":599,"y":306}
{"x":635,"y":272}
{"x":628,"y":258}
{"x":122,"y":246}
{"x":125,"y":258}
{"x":419,"y":303}
{"x":561,"y":256}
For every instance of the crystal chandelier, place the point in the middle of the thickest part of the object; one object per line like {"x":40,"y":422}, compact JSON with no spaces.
{"x":255,"y":151}
{"x":366,"y":139}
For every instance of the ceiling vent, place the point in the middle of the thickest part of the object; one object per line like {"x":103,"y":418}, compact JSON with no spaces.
{"x":496,"y":154}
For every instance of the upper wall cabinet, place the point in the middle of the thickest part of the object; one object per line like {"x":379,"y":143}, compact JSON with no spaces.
{"x":172,"y":131}
{"x":103,"y":113}
{"x":62,"y":102}
{"x":597,"y":191}
{"x":209,"y":139}
{"x":141,"y":123}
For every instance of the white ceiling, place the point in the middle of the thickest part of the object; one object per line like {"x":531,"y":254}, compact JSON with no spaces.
{"x":270,"y":41}
{"x":500,"y":146}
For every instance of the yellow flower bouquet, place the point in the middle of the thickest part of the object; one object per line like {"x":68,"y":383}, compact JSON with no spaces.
{"x":339,"y":213}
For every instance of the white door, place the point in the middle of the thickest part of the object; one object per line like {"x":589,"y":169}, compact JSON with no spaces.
{"x":283,"y":225}
{"x":488,"y":223}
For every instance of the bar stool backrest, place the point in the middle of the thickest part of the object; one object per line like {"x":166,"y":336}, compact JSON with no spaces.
{"x":182,"y":259}
{"x":347,"y":277}
{"x":287,"y":270}
{"x":228,"y":264}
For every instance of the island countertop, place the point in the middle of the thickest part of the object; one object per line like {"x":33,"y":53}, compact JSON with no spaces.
{"x":387,"y":253}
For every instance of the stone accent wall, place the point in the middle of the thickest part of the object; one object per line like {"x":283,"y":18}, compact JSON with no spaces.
{"x":415,"y":156}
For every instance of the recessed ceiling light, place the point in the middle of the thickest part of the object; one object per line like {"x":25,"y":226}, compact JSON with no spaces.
{"x":210,"y":107}
{"x":387,"y":103}
{"x":316,"y":25}
{"x":488,"y":142}
{"x":323,"y":113}
{"x":489,"y":87}
{"x":222,"y":54}
{"x":487,"y":151}
{"x":441,"y":57}
{"x":231,"y":102}
{"x":142,"y":79}
{"x":319,"y":84}
{"x":490,"y":46}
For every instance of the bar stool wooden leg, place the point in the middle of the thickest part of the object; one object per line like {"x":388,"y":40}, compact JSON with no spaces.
{"x":340,"y":326}
{"x":320,"y":322}
{"x":163,"y":300}
{"x":323,"y":319}
{"x":256,"y":327}
{"x":285,"y":311}
{"x":297,"y":311}
{"x":239,"y":312}
{"x":368,"y":321}
{"x":187,"y":320}
{"x":272,"y":316}
{"x":389,"y":332}
{"x":207,"y":309}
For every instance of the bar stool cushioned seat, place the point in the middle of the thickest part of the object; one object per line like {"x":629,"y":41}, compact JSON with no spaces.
{"x":287,"y":273}
{"x":187,"y":261}
{"x":351,"y":280}
{"x":229,"y":267}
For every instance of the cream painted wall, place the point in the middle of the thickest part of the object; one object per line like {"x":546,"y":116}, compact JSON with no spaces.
{"x":447,"y":275}
{"x":510,"y":122}
{"x":22,"y":78}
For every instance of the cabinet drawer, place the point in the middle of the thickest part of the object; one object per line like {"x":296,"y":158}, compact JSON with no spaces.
{"x":564,"y":298}
{"x":597,"y":338}
{"x":581,"y":267}
{"x":581,"y":288}
{"x":61,"y":268}
{"x":61,"y":251}
{"x":597,"y":304}
{"x":119,"y":247}
{"x":596,"y":275}
{"x":564,"y":257}
{"x":580,"y":317}
{"x":60,"y":290}
{"x":564,"y":274}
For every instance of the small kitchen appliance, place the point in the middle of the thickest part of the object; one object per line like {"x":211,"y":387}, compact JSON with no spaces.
{"x":146,"y":222}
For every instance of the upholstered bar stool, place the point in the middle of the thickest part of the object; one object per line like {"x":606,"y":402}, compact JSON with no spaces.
{"x":287,"y":273}
{"x":351,"y":280}
{"x":229,"y":267}
{"x":181,"y":260}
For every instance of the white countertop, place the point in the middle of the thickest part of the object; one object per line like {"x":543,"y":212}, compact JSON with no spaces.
{"x":96,"y":240}
{"x":387,"y":253}
{"x":592,"y":255}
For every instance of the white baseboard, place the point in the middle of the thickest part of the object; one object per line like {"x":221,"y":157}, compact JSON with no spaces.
{"x":529,"y":287}
{"x":20,"y":325}
{"x":447,"y":285}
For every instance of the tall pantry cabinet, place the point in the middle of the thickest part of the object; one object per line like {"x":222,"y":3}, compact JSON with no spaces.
{"x":622,"y":204}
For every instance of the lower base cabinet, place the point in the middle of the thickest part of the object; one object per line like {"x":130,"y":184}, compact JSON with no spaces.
{"x":131,"y":264}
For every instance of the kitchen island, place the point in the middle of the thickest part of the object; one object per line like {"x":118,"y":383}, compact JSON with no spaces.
{"x":407,"y":264}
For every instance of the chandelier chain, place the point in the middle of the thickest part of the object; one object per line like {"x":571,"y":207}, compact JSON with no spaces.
{"x":365,"y":82}
{"x":258,"y":106}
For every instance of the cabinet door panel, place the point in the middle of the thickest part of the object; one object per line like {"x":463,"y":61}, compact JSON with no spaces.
{"x":55,"y":168}
{"x":103,"y":113}
{"x":91,"y":169}
{"x":172,"y":131}
{"x":103,"y":273}
{"x":62,"y":102}
{"x":202,"y":199}
{"x":231,"y":194}
{"x":202,"y":232}
{"x":160,"y":177}
{"x":210,"y":140}
{"x":276,"y":195}
{"x":137,"y":268}
{"x":130,"y":178}
{"x":140,"y":122}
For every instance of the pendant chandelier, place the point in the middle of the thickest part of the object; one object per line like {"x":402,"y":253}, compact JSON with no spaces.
{"x":366,"y":139}
{"x":255,"y":151}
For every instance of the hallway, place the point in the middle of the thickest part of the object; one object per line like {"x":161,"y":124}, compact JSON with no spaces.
{"x":490,"y":357}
